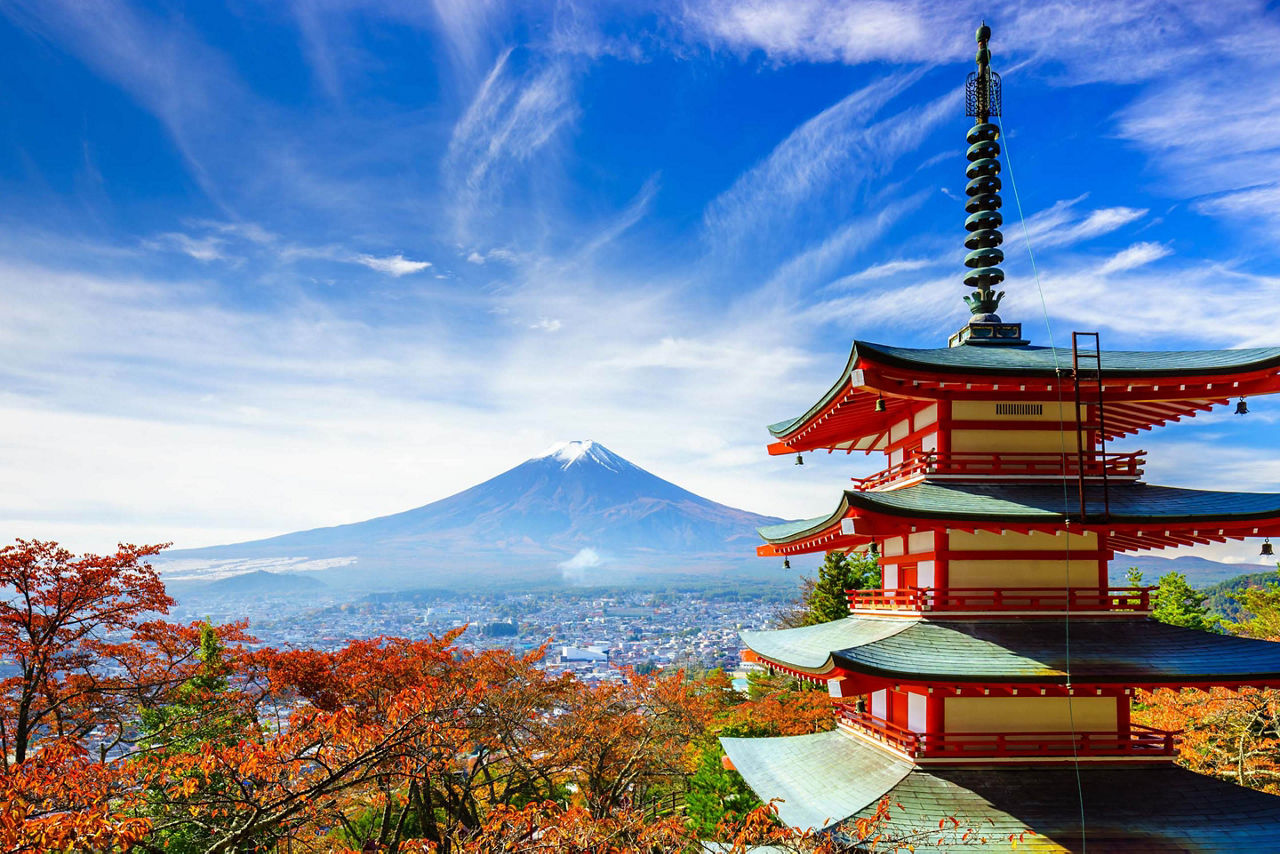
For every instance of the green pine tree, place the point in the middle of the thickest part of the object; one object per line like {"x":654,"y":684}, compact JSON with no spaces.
{"x":715,"y":792}
{"x":203,"y":712}
{"x":827,"y":599}
{"x":1178,"y":604}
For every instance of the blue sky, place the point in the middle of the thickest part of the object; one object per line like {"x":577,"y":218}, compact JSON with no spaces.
{"x":269,"y":266}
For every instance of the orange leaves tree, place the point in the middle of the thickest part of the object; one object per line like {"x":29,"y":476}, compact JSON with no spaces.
{"x":64,"y":621}
{"x":1234,"y":735}
{"x":82,"y":649}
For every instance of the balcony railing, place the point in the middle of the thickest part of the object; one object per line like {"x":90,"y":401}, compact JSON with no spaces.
{"x":1013,"y":466}
{"x":1003,"y":599}
{"x":1137,"y":741}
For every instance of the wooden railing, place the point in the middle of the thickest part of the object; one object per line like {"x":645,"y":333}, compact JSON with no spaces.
{"x":1137,"y":740}
{"x":960,"y":464}
{"x":983,"y":599}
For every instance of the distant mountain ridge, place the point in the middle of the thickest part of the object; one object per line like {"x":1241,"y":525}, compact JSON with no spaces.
{"x":1200,"y":572}
{"x":577,"y":512}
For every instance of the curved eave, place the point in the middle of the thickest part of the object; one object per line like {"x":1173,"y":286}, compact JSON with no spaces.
{"x":784,"y":428}
{"x":809,"y":648}
{"x":1099,"y":651}
{"x":803,"y":529}
{"x":1143,"y":388}
{"x":818,"y":779}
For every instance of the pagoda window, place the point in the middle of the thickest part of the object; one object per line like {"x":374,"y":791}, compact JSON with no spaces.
{"x":1008,"y":560}
{"x":1032,"y":714}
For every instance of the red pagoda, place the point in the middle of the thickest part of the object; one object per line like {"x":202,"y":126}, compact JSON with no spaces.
{"x":991,"y":676}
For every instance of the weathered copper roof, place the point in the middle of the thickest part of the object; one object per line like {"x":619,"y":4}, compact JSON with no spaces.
{"x":1018,"y":650}
{"x":823,"y":778}
{"x":831,"y":777}
{"x":1045,"y":360}
{"x":1039,"y":503}
{"x":1034,"y":361}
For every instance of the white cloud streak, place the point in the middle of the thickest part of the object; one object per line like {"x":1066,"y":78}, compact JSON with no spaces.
{"x":1063,"y":225}
{"x":837,"y":146}
{"x":1137,"y":255}
{"x":392,"y":265}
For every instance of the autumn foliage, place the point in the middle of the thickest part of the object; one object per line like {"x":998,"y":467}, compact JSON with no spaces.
{"x":125,"y":732}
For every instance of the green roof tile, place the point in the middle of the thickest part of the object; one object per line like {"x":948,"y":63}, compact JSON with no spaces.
{"x":1011,"y":650}
{"x":810,"y":647}
{"x":1047,"y":503}
{"x":1043,"y":361}
{"x":1138,"y":809}
{"x":821,"y":778}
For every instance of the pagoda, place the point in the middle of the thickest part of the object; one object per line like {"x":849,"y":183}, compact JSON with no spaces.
{"x":991,"y":677}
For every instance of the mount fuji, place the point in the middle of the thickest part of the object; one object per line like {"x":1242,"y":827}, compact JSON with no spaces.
{"x":577,"y":514}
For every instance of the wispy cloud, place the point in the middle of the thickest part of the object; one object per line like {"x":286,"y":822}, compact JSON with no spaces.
{"x":514,"y":114}
{"x":1137,"y":255}
{"x":819,"y":30}
{"x":881,"y":271}
{"x":839,"y":147}
{"x":1063,"y":224}
{"x":392,"y":265}
{"x":207,"y":248}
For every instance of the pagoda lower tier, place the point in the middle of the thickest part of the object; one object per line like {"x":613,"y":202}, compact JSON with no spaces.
{"x":828,"y":780}
{"x":872,"y":651}
{"x":960,"y":691}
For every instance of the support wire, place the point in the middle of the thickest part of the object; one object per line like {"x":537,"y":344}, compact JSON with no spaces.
{"x":1066,"y":620}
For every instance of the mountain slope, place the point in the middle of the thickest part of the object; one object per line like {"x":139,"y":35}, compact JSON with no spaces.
{"x":579,"y":504}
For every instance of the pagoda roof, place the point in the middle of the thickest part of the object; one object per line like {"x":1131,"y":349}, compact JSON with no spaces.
{"x":826,"y":776}
{"x":1173,"y":513}
{"x":1101,"y":651}
{"x":1143,"y":388}
{"x":823,"y":780}
{"x":1045,"y":361}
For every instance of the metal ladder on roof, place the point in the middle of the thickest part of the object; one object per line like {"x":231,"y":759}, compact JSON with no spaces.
{"x":1086,"y":376}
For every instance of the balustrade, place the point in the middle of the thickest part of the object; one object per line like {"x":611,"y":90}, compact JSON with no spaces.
{"x":1137,"y":740}
{"x":998,"y":599}
{"x":958,"y":465}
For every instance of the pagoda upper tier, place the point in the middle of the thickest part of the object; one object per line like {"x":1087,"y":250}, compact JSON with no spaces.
{"x":1142,"y":389}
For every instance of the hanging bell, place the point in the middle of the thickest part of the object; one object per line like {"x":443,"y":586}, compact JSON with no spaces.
{"x":799,"y":459}
{"x":879,"y":404}
{"x":1267,"y":551}
{"x":786,"y":563}
{"x":1242,"y":408}
{"x":873,"y":549}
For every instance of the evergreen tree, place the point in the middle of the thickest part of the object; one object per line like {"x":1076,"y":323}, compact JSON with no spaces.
{"x":203,"y":713}
{"x":1178,"y":604}
{"x":715,"y":792}
{"x":1261,"y":611}
{"x":827,"y":599}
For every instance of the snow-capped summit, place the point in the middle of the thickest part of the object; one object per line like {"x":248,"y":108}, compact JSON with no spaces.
{"x":569,"y":453}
